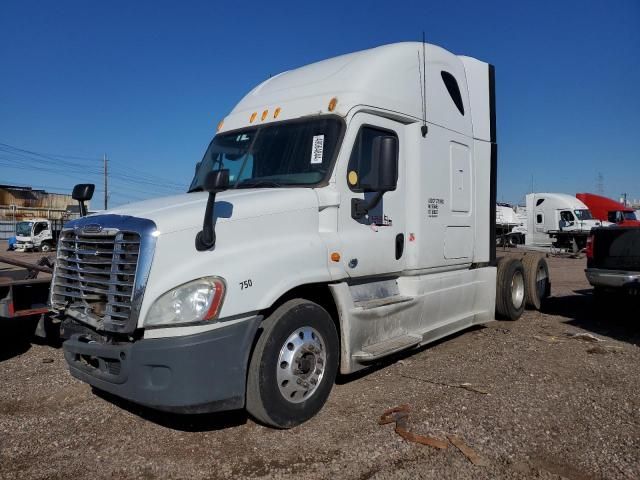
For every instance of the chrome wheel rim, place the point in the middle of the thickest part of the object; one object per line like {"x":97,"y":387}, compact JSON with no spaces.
{"x":517,"y":289}
{"x":301,"y":364}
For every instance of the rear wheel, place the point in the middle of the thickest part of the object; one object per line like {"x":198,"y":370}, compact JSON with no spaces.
{"x":510,"y":288}
{"x":536,"y":275}
{"x":294,"y":364}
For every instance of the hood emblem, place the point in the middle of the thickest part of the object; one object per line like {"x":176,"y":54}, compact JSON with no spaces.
{"x":92,"y":229}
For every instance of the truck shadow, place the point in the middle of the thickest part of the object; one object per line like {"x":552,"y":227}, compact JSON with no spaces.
{"x":19,"y":334}
{"x":615,"y":317}
{"x":200,"y":422}
{"x":16,"y":338}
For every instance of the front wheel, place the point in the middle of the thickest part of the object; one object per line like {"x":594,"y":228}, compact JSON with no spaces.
{"x":294,"y":364}
{"x":45,"y":247}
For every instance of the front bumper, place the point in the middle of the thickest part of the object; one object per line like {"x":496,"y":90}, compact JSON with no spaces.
{"x":199,"y":373}
{"x":612,"y":278}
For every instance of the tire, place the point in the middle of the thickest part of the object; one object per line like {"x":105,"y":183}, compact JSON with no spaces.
{"x":298,"y":340}
{"x":536,"y":277}
{"x":510,"y":288}
{"x":45,"y":247}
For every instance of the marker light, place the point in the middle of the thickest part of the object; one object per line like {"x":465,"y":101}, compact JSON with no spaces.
{"x":276,"y":112}
{"x":253,"y":117}
{"x":264,"y":114}
{"x":220,"y":124}
{"x":335,"y":257}
{"x":332,"y":104}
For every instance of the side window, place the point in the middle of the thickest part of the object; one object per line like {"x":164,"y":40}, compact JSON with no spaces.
{"x":539,"y":218}
{"x":539,"y":201}
{"x":40,"y":226}
{"x":453,"y":89}
{"x":359,"y":171}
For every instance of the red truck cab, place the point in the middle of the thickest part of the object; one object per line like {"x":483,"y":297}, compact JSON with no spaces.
{"x":607,"y":210}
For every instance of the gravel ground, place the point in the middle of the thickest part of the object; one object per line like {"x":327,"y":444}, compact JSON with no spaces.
{"x":545,"y":405}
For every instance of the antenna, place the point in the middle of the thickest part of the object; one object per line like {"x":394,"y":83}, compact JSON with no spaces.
{"x":420,"y":81}
{"x":424,"y":128}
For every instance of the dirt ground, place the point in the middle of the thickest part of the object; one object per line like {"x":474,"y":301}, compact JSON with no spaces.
{"x":541,"y":404}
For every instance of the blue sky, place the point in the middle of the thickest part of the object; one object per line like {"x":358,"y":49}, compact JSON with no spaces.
{"x":147,"y":82}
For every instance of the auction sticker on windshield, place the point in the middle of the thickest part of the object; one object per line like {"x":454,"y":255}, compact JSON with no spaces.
{"x":317,"y":148}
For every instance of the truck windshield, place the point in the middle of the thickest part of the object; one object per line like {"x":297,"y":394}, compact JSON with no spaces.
{"x":279,"y":154}
{"x":24,"y":229}
{"x":583,"y":214}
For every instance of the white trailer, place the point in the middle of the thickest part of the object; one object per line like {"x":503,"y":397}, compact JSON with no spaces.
{"x":511,"y":225}
{"x":558,"y":219}
{"x":336,"y":218}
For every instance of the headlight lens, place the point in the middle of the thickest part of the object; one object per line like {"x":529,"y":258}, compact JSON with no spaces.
{"x":195,"y":301}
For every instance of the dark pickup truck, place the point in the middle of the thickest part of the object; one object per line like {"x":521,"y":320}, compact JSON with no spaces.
{"x":613,"y":259}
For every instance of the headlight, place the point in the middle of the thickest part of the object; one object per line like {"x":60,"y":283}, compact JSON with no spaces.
{"x":196,"y":301}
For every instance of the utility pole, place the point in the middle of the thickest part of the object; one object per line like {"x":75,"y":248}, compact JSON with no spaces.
{"x":600,"y":184}
{"x":105,"y":181}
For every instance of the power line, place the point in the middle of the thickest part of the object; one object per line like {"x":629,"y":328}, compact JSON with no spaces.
{"x":46,"y":161}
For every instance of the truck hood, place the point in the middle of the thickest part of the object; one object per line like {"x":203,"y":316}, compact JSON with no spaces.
{"x":186,"y":211}
{"x":589,"y":224}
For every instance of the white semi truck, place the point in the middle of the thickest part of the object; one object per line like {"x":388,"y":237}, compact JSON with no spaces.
{"x":558,"y":219}
{"x":344,"y":211}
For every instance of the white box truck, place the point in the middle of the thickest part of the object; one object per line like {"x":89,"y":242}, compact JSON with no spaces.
{"x":40,"y":234}
{"x":344,"y":211}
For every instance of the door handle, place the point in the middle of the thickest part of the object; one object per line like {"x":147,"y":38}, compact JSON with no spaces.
{"x":399,"y":245}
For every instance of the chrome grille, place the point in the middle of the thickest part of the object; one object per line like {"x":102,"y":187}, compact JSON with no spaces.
{"x":95,"y":275}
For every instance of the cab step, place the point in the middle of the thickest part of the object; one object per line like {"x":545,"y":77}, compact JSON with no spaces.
{"x":381,"y":302}
{"x":382,"y":349}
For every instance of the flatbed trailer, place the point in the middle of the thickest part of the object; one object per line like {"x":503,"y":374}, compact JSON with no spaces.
{"x":22,"y":294}
{"x":570,"y":240}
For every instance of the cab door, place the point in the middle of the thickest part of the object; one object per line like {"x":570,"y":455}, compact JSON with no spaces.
{"x":373,"y":244}
{"x":40,"y":232}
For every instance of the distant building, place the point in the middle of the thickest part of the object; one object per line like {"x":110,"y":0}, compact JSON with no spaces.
{"x":24,"y":203}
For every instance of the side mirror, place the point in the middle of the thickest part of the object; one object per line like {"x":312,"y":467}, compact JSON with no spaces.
{"x":83,"y":192}
{"x":215,"y":182}
{"x":383,"y":176}
{"x":385,"y":156}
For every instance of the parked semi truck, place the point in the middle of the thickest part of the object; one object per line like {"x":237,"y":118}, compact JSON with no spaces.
{"x":344,"y":211}
{"x":607,"y":210}
{"x":559,"y":220}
